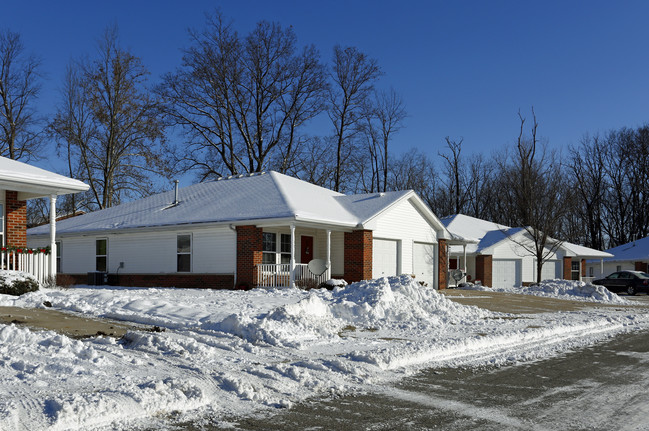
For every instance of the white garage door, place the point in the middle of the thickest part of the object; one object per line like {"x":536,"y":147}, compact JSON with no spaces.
{"x":384,"y":258}
{"x":551,"y":270}
{"x":506,"y":273}
{"x":424,"y":262}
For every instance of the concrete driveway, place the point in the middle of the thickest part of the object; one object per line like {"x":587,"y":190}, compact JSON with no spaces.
{"x":527,"y":304}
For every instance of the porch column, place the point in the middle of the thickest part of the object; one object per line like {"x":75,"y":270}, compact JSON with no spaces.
{"x":53,"y":235}
{"x":464,"y":253}
{"x":328,"y":254}
{"x":291,"y":279}
{"x":601,"y":267}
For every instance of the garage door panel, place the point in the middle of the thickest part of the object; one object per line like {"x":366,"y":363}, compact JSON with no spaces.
{"x":384,"y":258}
{"x":506,"y":273}
{"x":549,"y":271}
{"x":424,"y":262}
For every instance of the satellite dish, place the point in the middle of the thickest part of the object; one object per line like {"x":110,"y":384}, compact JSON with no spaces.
{"x":317,"y":266}
{"x":457,"y":275}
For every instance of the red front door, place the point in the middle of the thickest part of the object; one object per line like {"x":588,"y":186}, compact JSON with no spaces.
{"x":307,"y":249}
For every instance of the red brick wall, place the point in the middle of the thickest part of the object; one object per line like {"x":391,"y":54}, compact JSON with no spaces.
{"x":442,"y":265}
{"x":583,"y":267}
{"x":483,"y":268}
{"x":641,"y":266}
{"x":196,"y":281}
{"x":358,"y":255}
{"x":249,"y":254}
{"x":16,"y":221}
{"x":567,"y":268}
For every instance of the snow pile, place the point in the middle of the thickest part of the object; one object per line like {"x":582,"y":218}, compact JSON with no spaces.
{"x":560,"y":289}
{"x":232,"y":353}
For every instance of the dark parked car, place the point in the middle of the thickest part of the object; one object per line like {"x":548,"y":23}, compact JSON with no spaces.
{"x":630,"y":282}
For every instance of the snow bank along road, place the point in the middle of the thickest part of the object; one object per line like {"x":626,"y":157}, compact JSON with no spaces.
{"x":232,"y":354}
{"x":602,"y":387}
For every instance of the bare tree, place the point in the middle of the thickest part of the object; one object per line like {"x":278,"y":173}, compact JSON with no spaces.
{"x":586,"y":165}
{"x":108,"y":125}
{"x":20,"y":137}
{"x":534,"y":181}
{"x":383,"y":116}
{"x":242,"y":102}
{"x":414,"y":170}
{"x":353,"y":75}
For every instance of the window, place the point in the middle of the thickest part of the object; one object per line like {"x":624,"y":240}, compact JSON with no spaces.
{"x":58,"y":256}
{"x":101,"y":253}
{"x":271,"y":254}
{"x":452,"y":263}
{"x":285,"y":248}
{"x":576,"y":269}
{"x":269,"y":247}
{"x":618,"y":268}
{"x":591,"y":271}
{"x":184,"y":253}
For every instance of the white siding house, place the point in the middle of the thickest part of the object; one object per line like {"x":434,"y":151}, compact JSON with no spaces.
{"x":254,"y":230}
{"x":632,"y":256}
{"x":497,"y":255}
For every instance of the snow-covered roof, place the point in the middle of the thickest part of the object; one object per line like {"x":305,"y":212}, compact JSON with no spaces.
{"x":487,"y":234}
{"x":634,"y":251}
{"x":261,"y":197}
{"x":581,"y":251}
{"x":32,"y":182}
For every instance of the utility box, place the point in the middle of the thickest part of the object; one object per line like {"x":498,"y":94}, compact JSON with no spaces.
{"x":97,"y":278}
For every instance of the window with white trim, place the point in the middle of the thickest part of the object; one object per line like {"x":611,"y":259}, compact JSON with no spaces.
{"x":184,"y":253}
{"x":271,"y":254}
{"x":101,"y":254}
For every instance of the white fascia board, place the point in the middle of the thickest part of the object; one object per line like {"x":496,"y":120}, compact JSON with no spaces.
{"x":32,"y":188}
{"x":204,"y":225}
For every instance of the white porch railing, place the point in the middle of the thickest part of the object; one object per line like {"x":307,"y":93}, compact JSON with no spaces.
{"x":278,"y":275}
{"x":36,"y":264}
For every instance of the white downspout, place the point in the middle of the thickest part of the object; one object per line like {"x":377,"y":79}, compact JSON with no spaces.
{"x":328,"y":254}
{"x":601,"y":267}
{"x":291,"y":280}
{"x":53,"y":235}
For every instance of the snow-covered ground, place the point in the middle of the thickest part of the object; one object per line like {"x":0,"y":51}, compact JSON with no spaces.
{"x":232,"y":353}
{"x":561,"y":289}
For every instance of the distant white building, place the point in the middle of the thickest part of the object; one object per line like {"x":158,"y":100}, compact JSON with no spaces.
{"x":631,"y":256}
{"x":493,"y":254}
{"x":254,"y":230}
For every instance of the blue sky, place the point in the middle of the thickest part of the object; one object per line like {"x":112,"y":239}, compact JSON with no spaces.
{"x":464,"y":68}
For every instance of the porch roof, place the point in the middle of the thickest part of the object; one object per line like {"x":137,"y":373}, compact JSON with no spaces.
{"x":31,"y":182}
